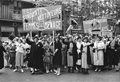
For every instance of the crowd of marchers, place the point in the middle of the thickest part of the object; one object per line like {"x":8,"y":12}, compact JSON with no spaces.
{"x":72,"y":52}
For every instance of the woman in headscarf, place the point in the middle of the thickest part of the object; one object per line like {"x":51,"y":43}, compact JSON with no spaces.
{"x":1,"y":55}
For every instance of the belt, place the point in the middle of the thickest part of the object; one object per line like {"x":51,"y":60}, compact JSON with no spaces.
{"x":99,"y":49}
{"x":112,"y":48}
{"x":83,"y":51}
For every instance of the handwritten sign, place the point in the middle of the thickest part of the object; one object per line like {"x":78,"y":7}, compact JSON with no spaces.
{"x":108,"y":33}
{"x":43,"y":18}
{"x":95,"y":26}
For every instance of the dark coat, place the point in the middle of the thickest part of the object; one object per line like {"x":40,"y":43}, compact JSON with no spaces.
{"x":110,"y":54}
{"x":88,"y":54}
{"x":80,"y":54}
{"x":36,"y":55}
{"x":2,"y":57}
{"x":116,"y":57}
{"x":58,"y":55}
{"x":75,"y":55}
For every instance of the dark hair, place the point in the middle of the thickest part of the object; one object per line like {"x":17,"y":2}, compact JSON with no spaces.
{"x":100,"y":37}
{"x":86,"y":39}
{"x":79,"y":38}
{"x":62,"y":39}
{"x":57,"y":38}
{"x":36,"y":37}
{"x":20,"y":40}
{"x":0,"y":43}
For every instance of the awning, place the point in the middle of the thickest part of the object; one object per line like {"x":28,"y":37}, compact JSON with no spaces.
{"x":7,"y":29}
{"x":10,"y":29}
{"x":11,"y":20}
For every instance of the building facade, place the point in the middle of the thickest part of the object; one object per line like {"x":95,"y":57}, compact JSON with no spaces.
{"x":11,"y":16}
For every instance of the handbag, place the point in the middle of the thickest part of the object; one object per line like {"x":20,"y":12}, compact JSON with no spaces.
{"x":70,"y":53}
{"x":78,"y":62}
{"x":93,"y":50}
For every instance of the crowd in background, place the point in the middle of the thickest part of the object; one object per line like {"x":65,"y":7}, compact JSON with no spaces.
{"x":71,"y":52}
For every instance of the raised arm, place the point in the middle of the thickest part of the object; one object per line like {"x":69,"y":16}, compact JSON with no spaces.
{"x":3,"y":49}
{"x":29,"y":41}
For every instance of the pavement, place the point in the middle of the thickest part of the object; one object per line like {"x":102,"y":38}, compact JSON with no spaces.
{"x":8,"y":75}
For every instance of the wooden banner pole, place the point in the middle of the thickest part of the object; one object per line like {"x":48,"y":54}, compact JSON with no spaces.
{"x":53,"y":40}
{"x":31,"y":34}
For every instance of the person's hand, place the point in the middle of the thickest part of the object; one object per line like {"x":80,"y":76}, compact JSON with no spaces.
{"x":27,"y":35}
{"x":7,"y":53}
{"x":54,"y":53}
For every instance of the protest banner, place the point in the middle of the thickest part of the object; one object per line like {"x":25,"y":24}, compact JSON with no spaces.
{"x":43,"y":18}
{"x":96,"y":26}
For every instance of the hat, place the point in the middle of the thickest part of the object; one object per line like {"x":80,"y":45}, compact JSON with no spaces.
{"x":79,"y":37}
{"x":36,"y":37}
{"x":85,"y":38}
{"x":70,"y":36}
{"x":100,"y":37}
{"x":64,"y":37}
{"x":15,"y":39}
{"x":57,"y":37}
{"x":20,"y":39}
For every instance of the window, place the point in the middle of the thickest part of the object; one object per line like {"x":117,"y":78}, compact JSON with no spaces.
{"x":6,"y":34}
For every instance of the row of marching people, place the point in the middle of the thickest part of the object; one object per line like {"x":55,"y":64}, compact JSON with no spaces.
{"x":17,"y":52}
{"x":72,"y":52}
{"x":99,"y":52}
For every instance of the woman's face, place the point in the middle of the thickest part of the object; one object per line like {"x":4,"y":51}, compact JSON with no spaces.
{"x":79,"y":40}
{"x":70,"y":39}
{"x":57,"y":39}
{"x":35,"y":40}
{"x":98,"y":39}
{"x":106,"y":39}
{"x":75,"y":40}
{"x":19,"y":41}
{"x":5,"y":44}
{"x":66,"y":40}
{"x":92,"y":40}
{"x":103,"y":38}
{"x":85,"y":40}
{"x":61,"y":40}
{"x":24,"y":41}
{"x":111,"y":39}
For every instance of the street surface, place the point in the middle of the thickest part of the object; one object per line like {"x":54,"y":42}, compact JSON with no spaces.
{"x":106,"y":76}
